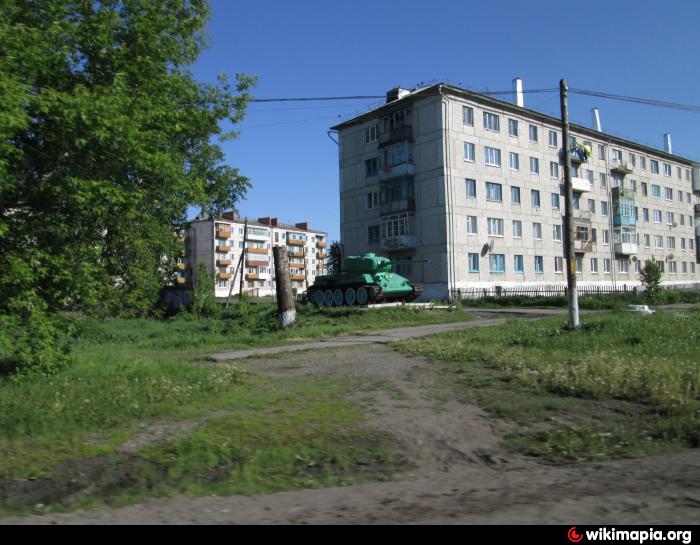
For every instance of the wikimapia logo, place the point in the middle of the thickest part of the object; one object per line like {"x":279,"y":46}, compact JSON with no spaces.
{"x":637,"y":536}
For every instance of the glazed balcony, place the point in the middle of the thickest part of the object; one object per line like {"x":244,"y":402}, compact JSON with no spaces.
{"x":399,"y":205}
{"x":398,"y":171}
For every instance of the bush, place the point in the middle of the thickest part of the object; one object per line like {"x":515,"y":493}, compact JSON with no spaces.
{"x":33,"y":343}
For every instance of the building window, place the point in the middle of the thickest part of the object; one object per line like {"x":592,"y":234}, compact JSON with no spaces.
{"x":558,"y":265}
{"x":606,"y":237}
{"x":372,"y":201}
{"x":670,"y":218}
{"x":497,"y":263}
{"x":603,"y":181}
{"x":469,"y":152}
{"x":534,"y":165}
{"x":471,"y":188}
{"x":553,"y":170}
{"x":553,"y":139}
{"x":556,"y":232}
{"x":518,"y":264}
{"x":591,"y":206}
{"x":468,"y":115}
{"x":606,"y":265}
{"x":633,"y":159}
{"x":515,"y":194}
{"x":623,"y":265}
{"x":669,"y":193}
{"x":601,"y":152}
{"x":657,"y":216}
{"x":671,"y":243}
{"x":532,"y":131}
{"x":495,"y":227}
{"x":647,"y":241}
{"x":555,"y":201}
{"x":472,"y":226}
{"x":494,"y":192}
{"x":474,"y":263}
{"x":579,"y":264}
{"x":654,"y":166}
{"x":373,"y":234}
{"x":645,"y":215}
{"x":517,"y":229}
{"x":537,"y":231}
{"x":645,"y":191}
{"x":658,"y":242}
{"x":604,"y":207}
{"x":594,"y":265}
{"x":492,"y":122}
{"x":492,"y":156}
{"x":535,"y":196}
{"x":539,"y":264}
{"x":370,"y":134}
{"x":371,"y":167}
{"x":514,"y":161}
{"x":667,"y":169}
{"x":513,"y":127}
{"x":672,"y":267}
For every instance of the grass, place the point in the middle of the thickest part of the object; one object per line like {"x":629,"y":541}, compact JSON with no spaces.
{"x":62,"y":436}
{"x":620,"y":385}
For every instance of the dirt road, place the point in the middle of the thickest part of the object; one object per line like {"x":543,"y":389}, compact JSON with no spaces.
{"x":458,"y":474}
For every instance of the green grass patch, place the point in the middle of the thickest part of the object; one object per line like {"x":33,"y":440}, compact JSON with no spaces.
{"x":622,"y":384}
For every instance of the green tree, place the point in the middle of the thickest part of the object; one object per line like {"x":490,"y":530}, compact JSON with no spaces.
{"x":105,"y":139}
{"x":650,"y":275}
{"x":337,"y":253}
{"x":203,"y":291}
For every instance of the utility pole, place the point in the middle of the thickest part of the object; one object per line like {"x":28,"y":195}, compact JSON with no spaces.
{"x":568,"y":211}
{"x":245,"y":242}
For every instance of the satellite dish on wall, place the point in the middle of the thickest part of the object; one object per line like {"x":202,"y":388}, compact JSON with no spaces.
{"x":634,"y":258}
{"x":488,"y":247}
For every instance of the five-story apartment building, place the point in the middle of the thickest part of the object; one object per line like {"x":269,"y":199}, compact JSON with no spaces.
{"x":474,"y":186}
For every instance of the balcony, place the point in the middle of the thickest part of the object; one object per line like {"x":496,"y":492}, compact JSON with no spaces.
{"x":582,"y":185}
{"x":292,"y":253}
{"x":322,"y":266}
{"x":223,"y":262}
{"x":400,"y":205}
{"x":252,"y":276}
{"x":261,"y":251}
{"x":223,"y":275}
{"x":254,"y":263}
{"x":401,"y":242}
{"x":180,"y":266}
{"x":320,"y":245}
{"x":294,"y":242}
{"x":620,"y":167}
{"x":397,"y":171}
{"x":181,"y":280}
{"x":223,"y":249}
{"x":181,"y":240}
{"x":297,"y":277}
{"x":697,"y":210}
{"x":399,"y":134}
{"x":223,"y":234}
{"x":625,"y":248}
{"x":583,"y":246}
{"x":321,"y":256}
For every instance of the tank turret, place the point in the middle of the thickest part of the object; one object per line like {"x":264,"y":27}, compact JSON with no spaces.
{"x":364,"y":279}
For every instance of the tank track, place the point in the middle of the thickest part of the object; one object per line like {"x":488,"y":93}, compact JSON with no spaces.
{"x":375,"y":294}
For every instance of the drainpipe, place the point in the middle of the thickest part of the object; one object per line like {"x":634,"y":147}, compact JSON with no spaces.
{"x":610,"y":216}
{"x":449,"y":189}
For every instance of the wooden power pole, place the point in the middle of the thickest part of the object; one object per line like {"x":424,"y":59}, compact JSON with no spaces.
{"x":245,"y":242}
{"x":286,"y":308}
{"x":569,"y":211}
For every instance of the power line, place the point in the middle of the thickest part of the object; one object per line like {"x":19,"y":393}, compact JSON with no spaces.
{"x":637,"y":100}
{"x":304,"y":99}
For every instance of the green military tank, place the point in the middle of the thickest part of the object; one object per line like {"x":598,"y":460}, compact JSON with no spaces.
{"x":364,"y":279}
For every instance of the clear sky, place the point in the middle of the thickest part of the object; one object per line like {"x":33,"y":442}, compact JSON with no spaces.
{"x":648,"y":49}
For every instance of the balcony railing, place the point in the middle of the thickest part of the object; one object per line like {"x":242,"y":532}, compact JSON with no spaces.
{"x":181,"y":280}
{"x":252,"y":276}
{"x":180,"y":266}
{"x":582,"y":185}
{"x":621,"y":167}
{"x":396,"y":171}
{"x":294,"y":242}
{"x":401,"y":205}
{"x":255,"y":263}
{"x":297,"y":277}
{"x":583,"y":246}
{"x":320,"y":245}
{"x":223,"y":249}
{"x":224,"y":275}
{"x":398,"y":134}
{"x":223,"y":234}
{"x":626,"y":248}
{"x":223,"y":262}
{"x":321,"y":256}
{"x":401,"y":242}
{"x":261,"y":251}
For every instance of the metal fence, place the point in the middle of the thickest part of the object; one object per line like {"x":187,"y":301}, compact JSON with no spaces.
{"x":558,"y":291}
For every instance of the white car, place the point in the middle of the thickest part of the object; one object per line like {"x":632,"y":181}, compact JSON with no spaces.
{"x":644,"y":309}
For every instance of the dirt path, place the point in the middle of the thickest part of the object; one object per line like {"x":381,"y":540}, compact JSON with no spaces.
{"x":458,"y":476}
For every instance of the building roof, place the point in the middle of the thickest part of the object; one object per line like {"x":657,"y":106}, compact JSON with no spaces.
{"x":440,"y":88}
{"x":256,"y":223}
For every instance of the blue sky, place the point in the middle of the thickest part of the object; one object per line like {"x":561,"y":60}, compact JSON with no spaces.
{"x":647,"y":49}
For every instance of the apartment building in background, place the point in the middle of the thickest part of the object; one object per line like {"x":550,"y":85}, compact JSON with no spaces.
{"x":474,"y":186}
{"x":219,"y":243}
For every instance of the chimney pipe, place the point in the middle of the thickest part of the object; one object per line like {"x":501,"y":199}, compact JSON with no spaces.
{"x":595,"y":114}
{"x":667,"y":143}
{"x":518,"y":92}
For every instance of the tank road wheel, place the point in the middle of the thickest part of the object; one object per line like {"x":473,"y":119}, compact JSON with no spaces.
{"x":362,"y":296}
{"x":350,"y":297}
{"x":328,"y":298}
{"x":318,"y":299}
{"x":338,"y":297}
